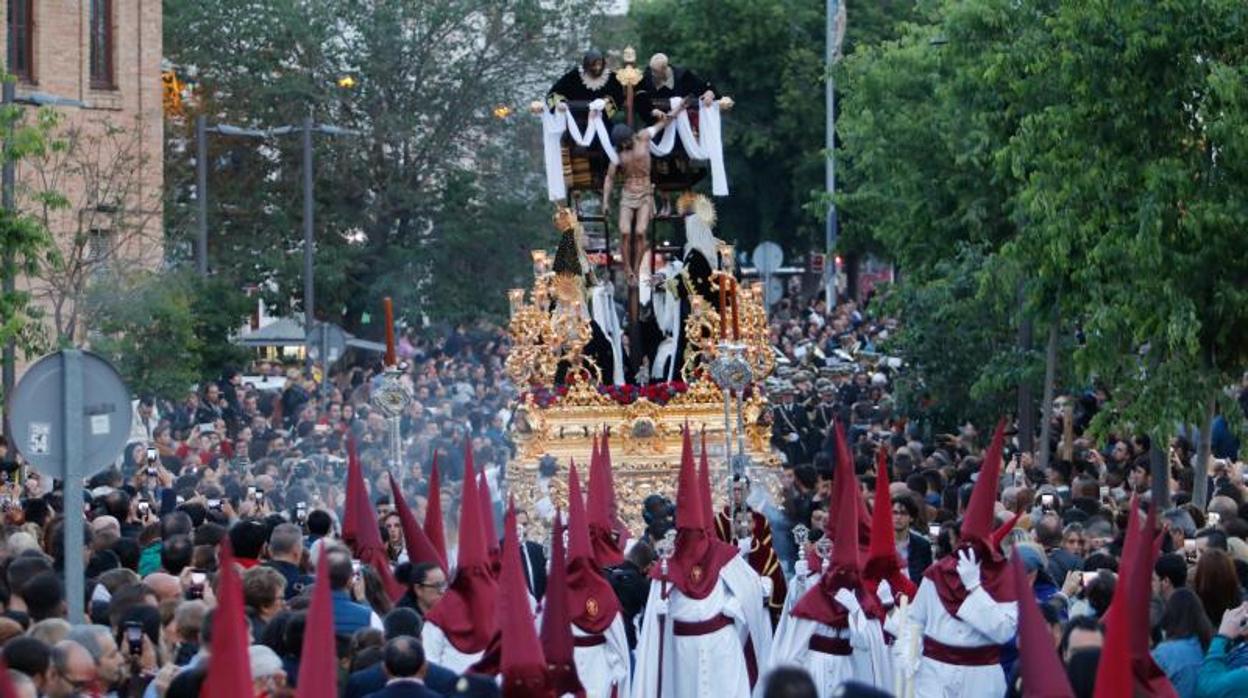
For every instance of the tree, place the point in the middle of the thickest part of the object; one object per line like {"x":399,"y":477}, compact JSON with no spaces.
{"x":427,"y":79}
{"x":1092,"y":154}
{"x":91,"y":185}
{"x":769,"y":57}
{"x":143,"y":325}
{"x":165,"y":332}
{"x":25,"y":241}
{"x":1132,"y":182}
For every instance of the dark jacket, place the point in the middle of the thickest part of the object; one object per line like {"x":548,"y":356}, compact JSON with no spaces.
{"x":919,"y":557}
{"x":535,"y":569}
{"x":373,"y":679}
{"x":296,"y":580}
{"x":406,"y":689}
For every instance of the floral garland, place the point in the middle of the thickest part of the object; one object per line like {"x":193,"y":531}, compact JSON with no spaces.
{"x":657,"y":393}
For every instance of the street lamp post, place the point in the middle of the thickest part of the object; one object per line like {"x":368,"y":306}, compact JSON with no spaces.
{"x":8,"y":187}
{"x":306,"y":129}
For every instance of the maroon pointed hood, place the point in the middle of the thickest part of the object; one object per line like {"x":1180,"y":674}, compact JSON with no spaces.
{"x":556,"y":632}
{"x":844,"y":571}
{"x":522,"y":665}
{"x":434,"y":528}
{"x":1041,"y":669}
{"x":359,"y":527}
{"x":977,"y":535}
{"x":466,"y":614}
{"x":622,"y":534}
{"x":229,"y":668}
{"x":694,"y":568}
{"x":591,"y":600}
{"x":601,"y":506}
{"x":704,"y":488}
{"x":318,"y":672}
{"x":883,"y":562}
{"x":419,"y":548}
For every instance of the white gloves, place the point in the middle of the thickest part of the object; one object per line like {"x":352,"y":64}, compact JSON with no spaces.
{"x":801,"y":568}
{"x":744,"y":545}
{"x":885,"y":592}
{"x":792,"y":438}
{"x":846,"y":598}
{"x":968,"y":569}
{"x":767,"y":585}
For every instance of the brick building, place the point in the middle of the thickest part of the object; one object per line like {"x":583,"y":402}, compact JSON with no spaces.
{"x":105,"y":55}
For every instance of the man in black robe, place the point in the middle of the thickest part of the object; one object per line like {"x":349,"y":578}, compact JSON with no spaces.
{"x":583,"y":84}
{"x":661,"y":81}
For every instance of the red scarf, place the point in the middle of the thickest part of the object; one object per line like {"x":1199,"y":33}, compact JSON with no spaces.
{"x":819,"y":603}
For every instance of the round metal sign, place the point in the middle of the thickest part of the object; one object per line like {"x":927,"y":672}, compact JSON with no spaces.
{"x":326,"y":337}
{"x":37,"y":414}
{"x":767,"y":258}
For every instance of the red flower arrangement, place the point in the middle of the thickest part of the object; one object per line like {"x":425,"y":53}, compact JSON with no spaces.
{"x":658,"y":393}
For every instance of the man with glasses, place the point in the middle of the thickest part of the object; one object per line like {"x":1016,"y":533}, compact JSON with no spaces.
{"x":73,"y":671}
{"x":913,"y":547}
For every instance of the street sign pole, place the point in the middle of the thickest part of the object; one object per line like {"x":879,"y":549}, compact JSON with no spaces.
{"x":71,"y":416}
{"x":71,"y":362}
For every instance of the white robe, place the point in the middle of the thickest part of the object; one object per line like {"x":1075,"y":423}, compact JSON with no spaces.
{"x":980,"y":622}
{"x":871,"y":661}
{"x":603,"y":666}
{"x":711,"y":665}
{"x":439,"y":650}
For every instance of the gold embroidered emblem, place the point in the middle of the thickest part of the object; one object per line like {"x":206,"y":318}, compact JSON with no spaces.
{"x":591,"y":607}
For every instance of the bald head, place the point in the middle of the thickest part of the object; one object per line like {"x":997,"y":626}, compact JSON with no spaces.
{"x":104,"y":523}
{"x":166,"y":586}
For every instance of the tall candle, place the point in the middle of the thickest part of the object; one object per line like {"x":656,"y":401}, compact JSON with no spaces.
{"x":736,"y":320}
{"x":723,"y":309}
{"x":389,"y":312}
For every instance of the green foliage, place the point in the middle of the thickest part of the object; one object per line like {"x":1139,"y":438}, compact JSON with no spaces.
{"x":165,"y":332}
{"x":24,"y":239}
{"x":1092,"y":152}
{"x":948,"y":327}
{"x":769,"y":57}
{"x":394,"y":214}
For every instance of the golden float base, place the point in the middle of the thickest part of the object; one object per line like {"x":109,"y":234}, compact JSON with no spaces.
{"x":645,"y":442}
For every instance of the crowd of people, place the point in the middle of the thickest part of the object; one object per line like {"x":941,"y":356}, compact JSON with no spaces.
{"x":955,"y":546}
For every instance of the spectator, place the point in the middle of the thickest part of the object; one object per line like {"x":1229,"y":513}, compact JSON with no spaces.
{"x":1188,"y":633}
{"x":404,"y":663}
{"x":1216,"y":583}
{"x":286,"y":556}
{"x":1216,"y":677}
{"x":73,"y":670}
{"x":349,"y":615}
{"x":426,"y":584}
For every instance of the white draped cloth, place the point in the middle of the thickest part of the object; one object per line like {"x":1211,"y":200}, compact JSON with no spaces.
{"x":667,"y":316}
{"x":439,"y":650}
{"x":602,"y":304}
{"x":707,"y":145}
{"x":869,"y":660}
{"x":981,"y":621}
{"x":604,"y":666}
{"x":704,"y":666}
{"x":554,"y":124}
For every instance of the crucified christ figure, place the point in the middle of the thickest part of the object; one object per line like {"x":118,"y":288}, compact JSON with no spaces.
{"x":637,"y":195}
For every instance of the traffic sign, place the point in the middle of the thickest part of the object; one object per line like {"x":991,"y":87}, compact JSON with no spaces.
{"x":767,"y":258}
{"x":38,"y":416}
{"x":326,"y":339}
{"x":816,"y":263}
{"x":71,"y":417}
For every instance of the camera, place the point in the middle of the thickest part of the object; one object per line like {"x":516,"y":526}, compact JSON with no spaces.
{"x":196,"y":588}
{"x":134,"y":637}
{"x":214,"y":504}
{"x":151,"y":454}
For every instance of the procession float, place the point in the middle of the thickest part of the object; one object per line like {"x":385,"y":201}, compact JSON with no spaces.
{"x":636,"y":326}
